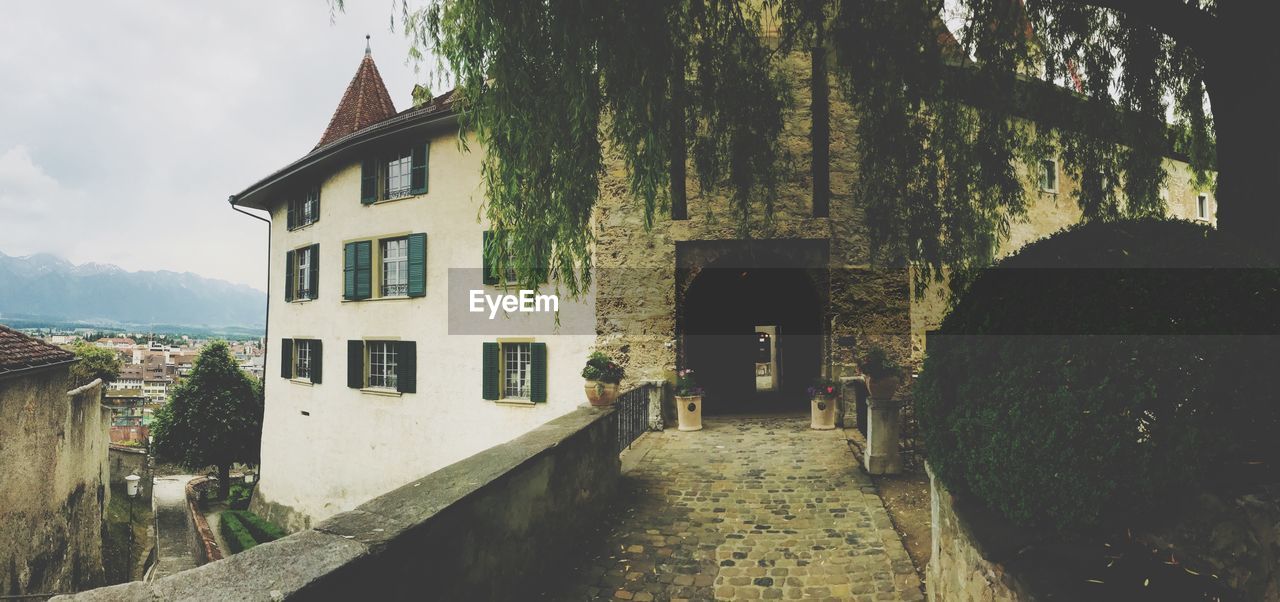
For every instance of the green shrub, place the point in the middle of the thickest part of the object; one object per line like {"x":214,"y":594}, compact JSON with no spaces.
{"x":262,"y":530}
{"x":602,"y":368}
{"x":234,"y":532}
{"x":877,"y":363}
{"x":238,"y":497}
{"x":1071,"y":399}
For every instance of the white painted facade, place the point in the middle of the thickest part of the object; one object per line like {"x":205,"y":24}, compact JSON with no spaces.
{"x":327,"y":447}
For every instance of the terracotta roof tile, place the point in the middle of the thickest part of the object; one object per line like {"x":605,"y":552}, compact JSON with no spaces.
{"x":20,"y":352}
{"x":365,"y":103}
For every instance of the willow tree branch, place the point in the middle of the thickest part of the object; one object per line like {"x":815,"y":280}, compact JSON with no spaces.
{"x":1190,"y":25}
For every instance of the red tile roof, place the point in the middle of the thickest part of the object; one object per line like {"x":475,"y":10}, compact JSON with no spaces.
{"x":19,"y":352}
{"x":365,"y":103}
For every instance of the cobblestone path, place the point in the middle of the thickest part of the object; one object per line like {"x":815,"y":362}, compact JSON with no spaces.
{"x":750,"y":507}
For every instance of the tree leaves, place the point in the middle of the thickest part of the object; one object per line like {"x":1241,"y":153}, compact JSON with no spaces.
{"x":214,"y":415}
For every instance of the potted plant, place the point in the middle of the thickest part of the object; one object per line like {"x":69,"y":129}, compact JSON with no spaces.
{"x":688,"y":401}
{"x":822,"y":403}
{"x":882,"y":371}
{"x":603,"y":375}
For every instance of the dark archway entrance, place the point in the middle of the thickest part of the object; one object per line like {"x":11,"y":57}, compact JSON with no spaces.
{"x":722,"y":307}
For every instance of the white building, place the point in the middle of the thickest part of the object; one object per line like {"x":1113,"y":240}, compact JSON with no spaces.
{"x":374,"y":243}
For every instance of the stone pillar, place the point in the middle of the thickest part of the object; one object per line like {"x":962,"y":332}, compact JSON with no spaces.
{"x":849,"y":391}
{"x":883,"y":425}
{"x":657,"y":390}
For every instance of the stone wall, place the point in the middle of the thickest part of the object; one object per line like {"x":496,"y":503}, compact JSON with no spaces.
{"x":53,"y":482}
{"x":204,"y":545}
{"x":126,"y":460}
{"x":488,"y":527}
{"x":964,"y":566}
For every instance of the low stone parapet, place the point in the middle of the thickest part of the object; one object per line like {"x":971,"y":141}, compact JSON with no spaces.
{"x":205,"y":544}
{"x":493,"y":526}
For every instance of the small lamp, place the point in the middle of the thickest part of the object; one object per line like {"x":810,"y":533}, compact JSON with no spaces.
{"x":131,"y":485}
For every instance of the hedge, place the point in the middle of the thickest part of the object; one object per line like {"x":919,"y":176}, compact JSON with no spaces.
{"x":234,"y":533}
{"x":243,"y":529}
{"x":238,"y":497}
{"x":1091,"y":396}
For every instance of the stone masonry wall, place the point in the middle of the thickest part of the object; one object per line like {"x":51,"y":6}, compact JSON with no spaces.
{"x":53,"y":483}
{"x":959,"y":569}
{"x":489,"y":527}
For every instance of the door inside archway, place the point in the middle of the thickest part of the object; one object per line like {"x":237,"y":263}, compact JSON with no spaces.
{"x":723,"y":314}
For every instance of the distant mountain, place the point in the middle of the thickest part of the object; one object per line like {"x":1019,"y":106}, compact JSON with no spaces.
{"x":44,"y":286}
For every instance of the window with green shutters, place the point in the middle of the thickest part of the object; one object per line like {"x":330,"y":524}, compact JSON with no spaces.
{"x":492,"y":246}
{"x":397,"y":264}
{"x":394,"y":174}
{"x":302,"y":273}
{"x":387,"y":365}
{"x":514,"y":370}
{"x":302,"y":359}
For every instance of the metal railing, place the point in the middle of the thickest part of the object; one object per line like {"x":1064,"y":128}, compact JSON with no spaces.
{"x":633,"y":415}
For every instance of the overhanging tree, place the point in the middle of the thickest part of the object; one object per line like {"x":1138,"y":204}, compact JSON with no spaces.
{"x":943,"y":125}
{"x":95,"y":362}
{"x":213,"y":417}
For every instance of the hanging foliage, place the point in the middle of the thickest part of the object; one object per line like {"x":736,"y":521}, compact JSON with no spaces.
{"x":950,"y":128}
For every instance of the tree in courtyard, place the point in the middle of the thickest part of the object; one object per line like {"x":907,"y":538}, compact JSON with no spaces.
{"x":95,"y":362}
{"x":214,"y":416}
{"x":549,"y":86}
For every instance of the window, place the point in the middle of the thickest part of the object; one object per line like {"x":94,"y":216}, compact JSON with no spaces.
{"x":1049,"y":175}
{"x":395,"y":267}
{"x":304,"y":210}
{"x":382,"y":365}
{"x":391,"y":267}
{"x":302,"y":273}
{"x":490,"y":274}
{"x":399,"y":175}
{"x":515,"y":370}
{"x":1202,"y":206}
{"x":302,"y":359}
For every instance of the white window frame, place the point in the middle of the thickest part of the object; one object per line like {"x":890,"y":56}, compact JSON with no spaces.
{"x":382,"y":374}
{"x":1202,"y":206}
{"x":399,"y":179}
{"x":1048,"y":181}
{"x":302,"y":359}
{"x":517,"y":361}
{"x":302,"y":274}
{"x":400,"y":286}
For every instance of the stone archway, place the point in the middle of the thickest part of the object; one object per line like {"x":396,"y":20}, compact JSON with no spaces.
{"x":725,"y":289}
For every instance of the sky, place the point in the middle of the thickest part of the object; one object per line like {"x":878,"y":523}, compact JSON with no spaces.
{"x":124,"y":126}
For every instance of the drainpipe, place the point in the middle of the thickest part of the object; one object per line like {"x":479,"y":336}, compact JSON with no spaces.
{"x":266,"y":328}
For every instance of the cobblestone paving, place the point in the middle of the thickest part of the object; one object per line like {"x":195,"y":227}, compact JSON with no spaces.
{"x":751,"y":507}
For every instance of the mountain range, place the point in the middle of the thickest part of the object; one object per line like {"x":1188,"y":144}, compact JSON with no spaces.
{"x":47,"y":287}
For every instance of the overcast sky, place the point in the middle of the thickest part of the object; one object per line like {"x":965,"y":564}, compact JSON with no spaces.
{"x":124,"y":126}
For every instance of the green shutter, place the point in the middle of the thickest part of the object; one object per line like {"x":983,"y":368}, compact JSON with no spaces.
{"x":538,"y":367}
{"x":418,"y":175}
{"x":489,"y":370}
{"x":364,"y":269}
{"x":315,"y":217}
{"x":291,"y":220}
{"x":407,"y":367}
{"x":286,"y":358}
{"x":349,"y":271}
{"x":317,"y":361}
{"x":417,"y":265}
{"x":314,"y":268}
{"x":355,"y":364}
{"x":490,"y":274}
{"x":288,"y":276}
{"x":369,"y":181}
